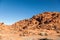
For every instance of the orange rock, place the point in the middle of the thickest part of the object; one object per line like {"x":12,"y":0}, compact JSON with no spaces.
{"x":47,"y":23}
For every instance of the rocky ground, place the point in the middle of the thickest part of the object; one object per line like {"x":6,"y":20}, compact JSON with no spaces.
{"x":44,"y":26}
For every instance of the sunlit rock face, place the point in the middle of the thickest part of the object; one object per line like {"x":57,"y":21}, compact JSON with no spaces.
{"x":43,"y":25}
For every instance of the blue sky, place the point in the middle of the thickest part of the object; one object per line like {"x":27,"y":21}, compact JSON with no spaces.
{"x":12,"y":11}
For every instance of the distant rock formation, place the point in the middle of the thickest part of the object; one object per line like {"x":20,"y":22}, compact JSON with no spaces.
{"x":45,"y":21}
{"x":1,"y":23}
{"x":44,"y":24}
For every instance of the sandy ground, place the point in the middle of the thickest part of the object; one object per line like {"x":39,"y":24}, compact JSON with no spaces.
{"x":34,"y":37}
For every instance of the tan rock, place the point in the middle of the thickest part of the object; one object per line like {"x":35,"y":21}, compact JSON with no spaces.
{"x":46,"y":24}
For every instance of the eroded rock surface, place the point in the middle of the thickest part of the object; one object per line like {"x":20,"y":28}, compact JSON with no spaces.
{"x":45,"y":25}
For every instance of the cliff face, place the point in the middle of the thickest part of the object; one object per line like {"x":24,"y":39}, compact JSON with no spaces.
{"x":45,"y":24}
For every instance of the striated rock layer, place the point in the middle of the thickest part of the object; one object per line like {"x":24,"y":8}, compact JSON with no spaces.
{"x":46,"y":24}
